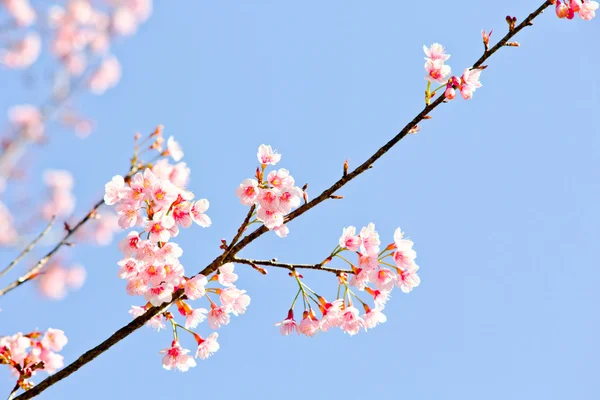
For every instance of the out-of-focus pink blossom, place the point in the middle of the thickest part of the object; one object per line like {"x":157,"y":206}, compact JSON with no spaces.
{"x":55,"y":280}
{"x":27,"y":119}
{"x":106,"y":76}
{"x":21,"y":11}
{"x":588,"y":8}
{"x":22,"y":53}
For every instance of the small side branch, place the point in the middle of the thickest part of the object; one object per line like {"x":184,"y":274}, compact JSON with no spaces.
{"x":28,"y":249}
{"x":291,"y":267}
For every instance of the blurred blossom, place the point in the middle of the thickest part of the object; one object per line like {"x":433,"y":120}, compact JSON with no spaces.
{"x":22,"y":53}
{"x":55,"y":280}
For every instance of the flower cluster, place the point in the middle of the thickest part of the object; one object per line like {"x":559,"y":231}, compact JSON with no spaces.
{"x":273,"y":195}
{"x":57,"y":279}
{"x":32,"y":352}
{"x":438,"y":71}
{"x":567,"y":9}
{"x":157,"y":200}
{"x":373,"y":274}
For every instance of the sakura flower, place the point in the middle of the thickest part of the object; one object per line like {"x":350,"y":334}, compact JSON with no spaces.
{"x":136,"y":287}
{"x":373,"y":317}
{"x":469,"y":82}
{"x":106,"y":76}
{"x":22,"y":53}
{"x":235,"y":300}
{"x":174,"y":149}
{"x":195,"y":317}
{"x":28,"y":119}
{"x":309,"y":325}
{"x":269,"y":199}
{"x":159,"y":227}
{"x":562,"y":10}
{"x":280,"y":178}
{"x":21,"y":11}
{"x":208,"y":346}
{"x":289,"y":198}
{"x":155,"y":323}
{"x":195,"y":287}
{"x":248,"y":192}
{"x":159,"y":294}
{"x":332,"y":315}
{"x":181,"y":214}
{"x":349,"y":240}
{"x":170,"y":252}
{"x":369,"y":240}
{"x":197,"y":213}
{"x":281,"y":230}
{"x":384,"y":279}
{"x":177,"y":357}
{"x":360,"y":279}
{"x":114,"y":190}
{"x":351,"y":322}
{"x":129,"y":268}
{"x":218,"y":316}
{"x":124,"y":21}
{"x":408,"y":279}
{"x":267,"y":156}
{"x":271,"y":219}
{"x":52,"y":361}
{"x":164,"y":194}
{"x":588,"y":8}
{"x":128,"y":215}
{"x":54,"y":339}
{"x":226,"y":274}
{"x":436,"y":52}
{"x":437,"y":71}
{"x":288,"y":325}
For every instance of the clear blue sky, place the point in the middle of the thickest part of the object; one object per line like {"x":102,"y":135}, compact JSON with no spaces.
{"x":500,"y":195}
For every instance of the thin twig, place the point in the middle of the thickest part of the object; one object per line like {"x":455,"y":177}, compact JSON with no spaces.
{"x":239,"y":233}
{"x":291,"y":267}
{"x":212,"y":267}
{"x":28,"y":248}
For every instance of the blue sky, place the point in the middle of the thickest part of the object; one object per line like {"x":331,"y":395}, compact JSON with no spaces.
{"x":499,"y":194}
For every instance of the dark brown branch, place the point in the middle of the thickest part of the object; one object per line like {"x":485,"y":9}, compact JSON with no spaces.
{"x":28,"y":249}
{"x":291,"y":267}
{"x":212,"y":267}
{"x":239,"y":233}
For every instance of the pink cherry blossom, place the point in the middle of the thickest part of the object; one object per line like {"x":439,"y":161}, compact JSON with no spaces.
{"x":197,"y":213}
{"x":280,"y":178}
{"x":588,"y":9}
{"x":21,"y":11}
{"x":226,"y":274}
{"x":266,"y":155}
{"x":128,"y":215}
{"x":437,"y":71}
{"x":136,"y":287}
{"x":288,"y":325}
{"x":248,"y":192}
{"x":309,"y":325}
{"x":235,"y":300}
{"x":114,"y":190}
{"x":177,"y":357}
{"x":369,"y":240}
{"x":174,"y":149}
{"x":155,"y":323}
{"x":22,"y":53}
{"x":208,"y":346}
{"x":158,"y":227}
{"x":164,"y":194}
{"x":218,"y":316}
{"x":384,"y":279}
{"x":436,"y":52}
{"x":374,"y":317}
{"x":408,"y":279}
{"x":469,"y":82}
{"x":195,"y":287}
{"x":281,"y":230}
{"x":349,"y":240}
{"x":271,"y":219}
{"x":351,"y":322}
{"x":129,"y":245}
{"x":159,"y":294}
{"x":106,"y":76}
{"x":289,"y":198}
{"x":562,"y":10}
{"x":197,"y":316}
{"x":28,"y":119}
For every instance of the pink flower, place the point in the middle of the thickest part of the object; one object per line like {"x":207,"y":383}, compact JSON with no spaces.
{"x":21,"y":11}
{"x":130,"y":268}
{"x":124,"y":21}
{"x":52,"y":361}
{"x":374,"y":317}
{"x":288,"y":325}
{"x":562,"y":10}
{"x":281,"y":230}
{"x":136,"y":287}
{"x":164,"y":194}
{"x":217,"y":316}
{"x":269,"y":199}
{"x":309,"y":325}
{"x":197,"y":213}
{"x":159,"y":227}
{"x":54,"y":339}
{"x":226,"y":274}
{"x":208,"y":346}
{"x":379,"y":297}
{"x":176,"y":357}
{"x":289,"y":198}
{"x":267,"y":156}
{"x":384,"y":279}
{"x":235,"y":300}
{"x":114,"y":190}
{"x":408,"y":279}
{"x":128,"y":214}
{"x":22,"y":53}
{"x":436,"y":52}
{"x":181,"y":214}
{"x":360,"y":279}
{"x":159,"y":294}
{"x":351,"y":322}
{"x":369,"y":240}
{"x":437,"y":71}
{"x":56,"y":280}
{"x":349,"y":240}
{"x":106,"y":76}
{"x":332,"y":315}
{"x":155,"y":323}
{"x":195,"y":287}
{"x":469,"y":82}
{"x":587,"y":9}
{"x":281,"y":178}
{"x":170,"y":252}
{"x":248,"y":192}
{"x":174,"y":149}
{"x":195,"y":317}
{"x":404,"y":256}
{"x":450,"y":93}
{"x":271,"y":219}
{"x":28,"y":119}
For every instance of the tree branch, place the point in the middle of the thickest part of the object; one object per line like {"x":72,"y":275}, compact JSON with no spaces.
{"x":291,"y":267}
{"x":28,"y":248}
{"x":212,"y":267}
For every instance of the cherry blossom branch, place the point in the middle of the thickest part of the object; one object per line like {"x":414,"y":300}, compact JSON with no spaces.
{"x":232,"y":251}
{"x":34,"y":271}
{"x":240,"y":232}
{"x":28,"y":249}
{"x":291,"y":267}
